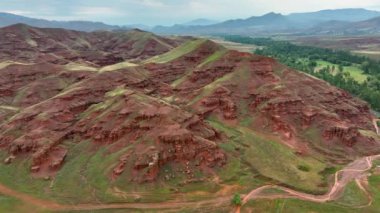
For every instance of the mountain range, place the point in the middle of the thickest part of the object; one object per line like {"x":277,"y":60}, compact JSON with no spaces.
{"x":200,"y":22}
{"x":367,"y":27}
{"x":340,"y":21}
{"x":7,"y":19}
{"x":274,"y":23}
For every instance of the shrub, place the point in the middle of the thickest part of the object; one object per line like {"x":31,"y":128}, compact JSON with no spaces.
{"x":303,"y":168}
{"x":236,"y":200}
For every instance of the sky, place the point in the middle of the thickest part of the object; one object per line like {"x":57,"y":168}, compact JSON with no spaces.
{"x":168,"y":12}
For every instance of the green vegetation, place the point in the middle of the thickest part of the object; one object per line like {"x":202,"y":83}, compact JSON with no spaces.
{"x":177,"y":52}
{"x":353,"y":196}
{"x":79,"y":67}
{"x":10,"y":204}
{"x":358,"y":75}
{"x":271,"y":159}
{"x":116,"y":92}
{"x":117,"y":66}
{"x":17,"y":176}
{"x":303,"y":168}
{"x":295,"y":205}
{"x":236,"y":200}
{"x":355,"y":71}
{"x":352,"y":200}
{"x":217,"y":55}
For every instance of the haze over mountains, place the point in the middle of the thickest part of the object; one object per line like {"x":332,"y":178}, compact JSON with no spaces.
{"x":273,"y":23}
{"x":340,"y":21}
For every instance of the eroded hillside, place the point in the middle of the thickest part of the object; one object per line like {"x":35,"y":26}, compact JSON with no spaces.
{"x":123,"y":116}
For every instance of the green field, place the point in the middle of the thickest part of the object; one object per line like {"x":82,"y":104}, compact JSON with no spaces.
{"x":354,"y":70}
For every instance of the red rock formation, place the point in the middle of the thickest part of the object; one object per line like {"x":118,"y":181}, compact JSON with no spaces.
{"x":151,"y":117}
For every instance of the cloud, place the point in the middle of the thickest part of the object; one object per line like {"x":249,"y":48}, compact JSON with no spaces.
{"x":97,"y":11}
{"x":151,"y":3}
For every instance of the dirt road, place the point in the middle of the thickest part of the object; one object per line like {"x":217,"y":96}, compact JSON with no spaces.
{"x":354,"y":171}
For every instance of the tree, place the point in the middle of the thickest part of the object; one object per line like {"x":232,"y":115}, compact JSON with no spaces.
{"x":340,"y":68}
{"x":236,"y":200}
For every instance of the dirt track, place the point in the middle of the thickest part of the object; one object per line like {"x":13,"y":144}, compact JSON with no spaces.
{"x":354,"y":171}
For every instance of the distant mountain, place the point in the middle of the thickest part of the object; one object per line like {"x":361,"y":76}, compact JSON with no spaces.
{"x":137,"y":26}
{"x":266,"y":21}
{"x":349,"y":15}
{"x":254,"y":24}
{"x":7,"y":19}
{"x":272,"y":23}
{"x":200,"y":22}
{"x":367,"y":27}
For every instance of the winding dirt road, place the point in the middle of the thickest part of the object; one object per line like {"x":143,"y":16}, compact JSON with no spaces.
{"x":354,"y":171}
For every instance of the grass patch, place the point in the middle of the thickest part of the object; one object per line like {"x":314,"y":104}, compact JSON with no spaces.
{"x":72,"y":66}
{"x":116,"y":92}
{"x":17,"y":177}
{"x":208,"y":89}
{"x":294,"y":205}
{"x":10,"y":204}
{"x":353,"y":196}
{"x":176,"y":52}
{"x":215,"y":56}
{"x":84,"y":178}
{"x":275,"y":160}
{"x":355,"y":72}
{"x":118,"y":66}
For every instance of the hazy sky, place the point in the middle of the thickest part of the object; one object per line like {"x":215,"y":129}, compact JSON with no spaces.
{"x":167,"y":12}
